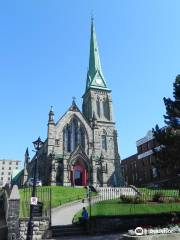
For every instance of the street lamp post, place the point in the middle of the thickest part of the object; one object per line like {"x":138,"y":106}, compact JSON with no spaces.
{"x":37,"y":145}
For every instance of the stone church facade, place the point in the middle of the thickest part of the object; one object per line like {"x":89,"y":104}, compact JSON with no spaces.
{"x":81,"y":148}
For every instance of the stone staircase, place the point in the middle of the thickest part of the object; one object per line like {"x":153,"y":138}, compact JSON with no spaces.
{"x":67,"y":230}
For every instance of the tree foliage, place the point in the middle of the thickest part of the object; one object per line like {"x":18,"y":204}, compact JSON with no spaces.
{"x":168,"y":138}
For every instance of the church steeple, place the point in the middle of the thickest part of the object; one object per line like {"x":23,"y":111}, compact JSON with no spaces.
{"x":95,"y":77}
{"x":97,"y":97}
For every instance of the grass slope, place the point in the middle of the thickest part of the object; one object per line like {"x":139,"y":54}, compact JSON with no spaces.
{"x":60,"y":195}
{"x":114,"y":208}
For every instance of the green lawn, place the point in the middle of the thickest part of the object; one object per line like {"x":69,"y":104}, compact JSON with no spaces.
{"x":110,"y":208}
{"x":60,"y":195}
{"x":116,"y":208}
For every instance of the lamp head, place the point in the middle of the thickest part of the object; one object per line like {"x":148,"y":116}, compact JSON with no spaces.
{"x":38,"y":144}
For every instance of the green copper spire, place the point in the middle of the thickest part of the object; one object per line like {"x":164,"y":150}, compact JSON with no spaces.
{"x":95,"y":78}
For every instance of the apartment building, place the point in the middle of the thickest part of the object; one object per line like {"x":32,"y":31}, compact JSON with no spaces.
{"x":6,"y":169}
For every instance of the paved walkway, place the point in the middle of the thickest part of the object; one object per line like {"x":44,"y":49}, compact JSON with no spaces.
{"x":64,"y":215}
{"x":102,"y":237}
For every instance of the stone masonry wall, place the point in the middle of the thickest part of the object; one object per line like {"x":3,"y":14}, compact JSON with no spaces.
{"x":40,"y":229}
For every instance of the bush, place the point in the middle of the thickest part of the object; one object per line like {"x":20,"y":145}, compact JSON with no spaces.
{"x":126,"y":199}
{"x":157,"y":196}
{"x":166,"y":199}
{"x":177,"y":199}
{"x":132,"y":199}
{"x":138,"y":199}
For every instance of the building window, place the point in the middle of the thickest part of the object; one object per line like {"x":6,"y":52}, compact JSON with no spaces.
{"x":3,"y":162}
{"x":1,"y":178}
{"x":104,"y":142}
{"x":106,"y":108}
{"x":98,"y":107}
{"x":9,"y":178}
{"x":9,"y":173}
{"x":16,"y":163}
{"x":69,"y":139}
{"x":2,"y":173}
{"x":82,"y":136}
{"x":9,"y":168}
{"x":2,"y":168}
{"x":10,"y":163}
{"x":57,"y":142}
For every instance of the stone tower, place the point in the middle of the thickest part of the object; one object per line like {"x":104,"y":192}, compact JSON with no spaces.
{"x":97,"y":107}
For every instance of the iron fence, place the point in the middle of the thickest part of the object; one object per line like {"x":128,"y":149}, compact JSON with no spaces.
{"x":129,"y":201}
{"x":43,"y":195}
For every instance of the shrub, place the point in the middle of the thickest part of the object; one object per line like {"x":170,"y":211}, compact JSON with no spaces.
{"x":132,"y":199}
{"x":126,"y":199}
{"x":157,"y":196}
{"x":138,"y":199}
{"x":166,"y":199}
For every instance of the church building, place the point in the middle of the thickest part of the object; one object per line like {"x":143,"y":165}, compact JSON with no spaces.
{"x":81,"y":147}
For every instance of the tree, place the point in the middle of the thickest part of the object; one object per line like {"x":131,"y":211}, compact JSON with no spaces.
{"x":168,"y":138}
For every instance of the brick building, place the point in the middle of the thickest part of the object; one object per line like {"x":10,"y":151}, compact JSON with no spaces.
{"x":140,"y":169}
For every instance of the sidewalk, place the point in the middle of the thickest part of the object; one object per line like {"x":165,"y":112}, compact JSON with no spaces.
{"x":63,"y":215}
{"x":117,"y":236}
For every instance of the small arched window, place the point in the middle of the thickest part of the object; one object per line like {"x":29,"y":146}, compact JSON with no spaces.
{"x":106,"y":108}
{"x":98,"y":107}
{"x":104,"y":142}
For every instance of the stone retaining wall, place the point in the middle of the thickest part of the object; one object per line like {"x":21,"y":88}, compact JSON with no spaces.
{"x":116,"y":224}
{"x":40,"y":229}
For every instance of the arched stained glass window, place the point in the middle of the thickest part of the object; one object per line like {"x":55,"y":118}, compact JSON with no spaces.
{"x":82,"y":138}
{"x":68,"y":139}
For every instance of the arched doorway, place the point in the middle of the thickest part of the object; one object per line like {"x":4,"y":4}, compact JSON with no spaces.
{"x":79,"y":174}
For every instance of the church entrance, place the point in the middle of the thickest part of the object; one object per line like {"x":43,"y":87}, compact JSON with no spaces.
{"x":78,"y":178}
{"x":79,"y":175}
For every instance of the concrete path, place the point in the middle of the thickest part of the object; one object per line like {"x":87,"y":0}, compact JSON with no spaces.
{"x":63,"y":215}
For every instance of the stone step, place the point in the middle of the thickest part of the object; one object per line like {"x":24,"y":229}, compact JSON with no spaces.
{"x":67,"y":230}
{"x":3,"y":232}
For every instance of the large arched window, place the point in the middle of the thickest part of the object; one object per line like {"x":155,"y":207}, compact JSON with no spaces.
{"x":74,"y":134}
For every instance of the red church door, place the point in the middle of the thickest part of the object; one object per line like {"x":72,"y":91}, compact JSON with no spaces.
{"x":79,"y":175}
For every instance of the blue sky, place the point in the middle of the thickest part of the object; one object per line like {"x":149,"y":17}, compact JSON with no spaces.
{"x":44,"y":51}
